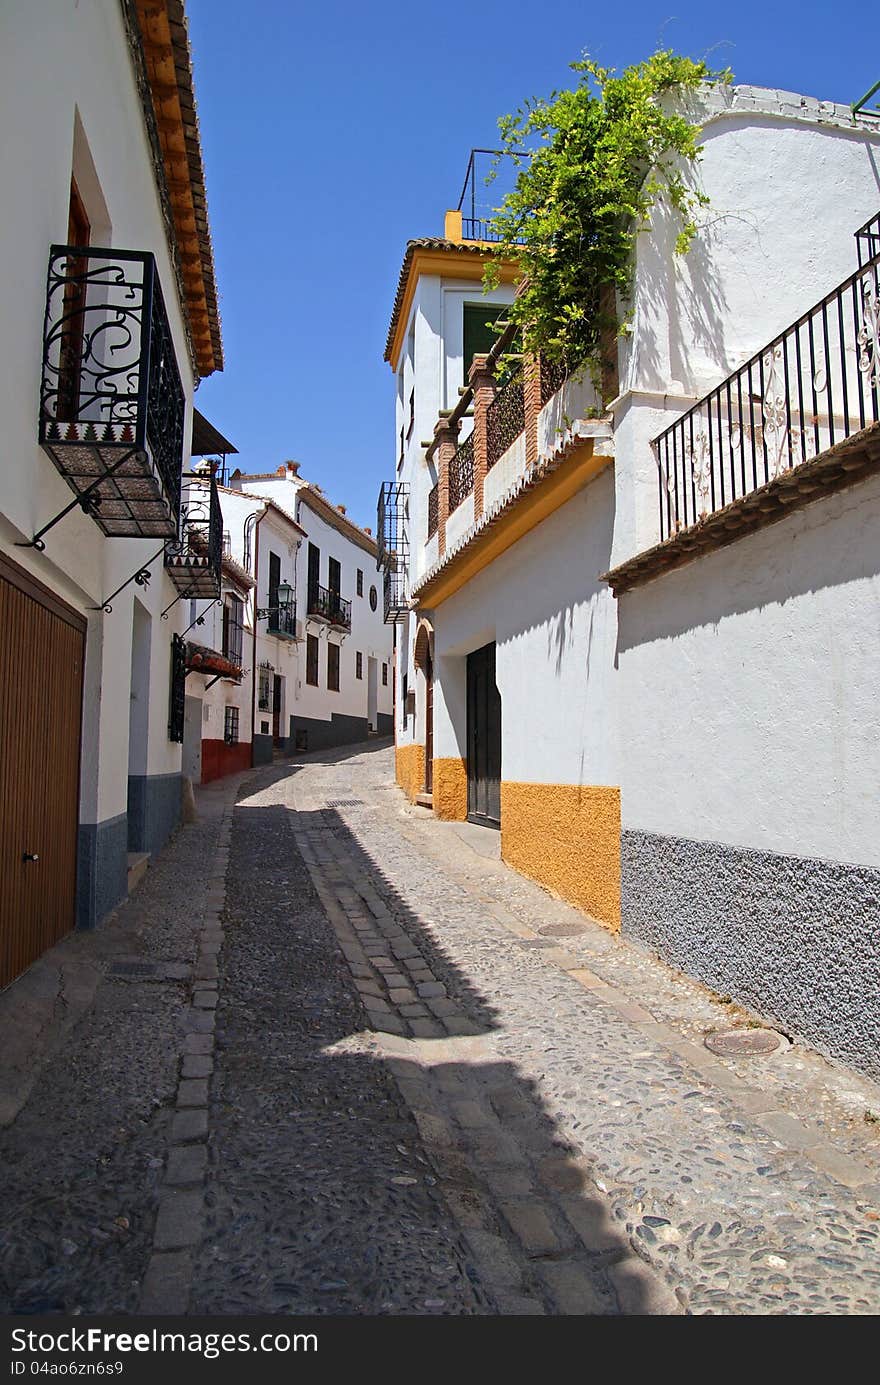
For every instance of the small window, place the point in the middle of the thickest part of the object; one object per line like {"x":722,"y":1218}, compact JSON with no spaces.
{"x":265,"y":690}
{"x":405,"y":681}
{"x":312,"y":660}
{"x":412,"y":413}
{"x":233,"y":628}
{"x":400,"y":458}
{"x":374,"y":598}
{"x":230,"y":726}
{"x":360,"y":582}
{"x":333,"y":667}
{"x":359,"y":665}
{"x":384,"y":675}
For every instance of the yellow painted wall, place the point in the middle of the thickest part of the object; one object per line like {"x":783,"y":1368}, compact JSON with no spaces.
{"x":409,"y":766}
{"x":450,"y":789}
{"x":567,"y":837}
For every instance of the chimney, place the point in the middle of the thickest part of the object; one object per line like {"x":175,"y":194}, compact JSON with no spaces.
{"x":341,"y":509}
{"x":293,"y":468}
{"x":368,"y":530}
{"x":281,"y":471}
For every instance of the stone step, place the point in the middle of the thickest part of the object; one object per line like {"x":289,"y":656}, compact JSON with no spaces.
{"x":138,"y":861}
{"x":425,"y":800}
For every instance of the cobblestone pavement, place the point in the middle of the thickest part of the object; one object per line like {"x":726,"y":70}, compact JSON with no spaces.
{"x":334,"y":1057}
{"x":597,"y":1157}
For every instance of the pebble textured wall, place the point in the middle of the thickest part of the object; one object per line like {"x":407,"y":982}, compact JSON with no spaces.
{"x":794,"y":939}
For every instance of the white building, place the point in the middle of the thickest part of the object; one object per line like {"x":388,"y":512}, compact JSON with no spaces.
{"x":322,"y":665}
{"x":104,"y":344}
{"x":642,"y":642}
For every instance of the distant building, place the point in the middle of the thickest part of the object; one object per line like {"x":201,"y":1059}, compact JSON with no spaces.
{"x":322,"y":667}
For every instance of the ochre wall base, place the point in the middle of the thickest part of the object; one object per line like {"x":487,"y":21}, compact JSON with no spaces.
{"x":567,"y":837}
{"x":450,"y":789}
{"x":409,"y":769}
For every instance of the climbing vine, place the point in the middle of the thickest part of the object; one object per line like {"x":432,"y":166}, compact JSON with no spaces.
{"x":601,"y":155}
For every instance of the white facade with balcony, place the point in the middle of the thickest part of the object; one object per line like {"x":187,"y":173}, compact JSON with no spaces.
{"x":677,"y":623}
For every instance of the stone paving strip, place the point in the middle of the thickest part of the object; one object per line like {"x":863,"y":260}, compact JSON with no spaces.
{"x":180,"y":1217}
{"x":540,"y":1244}
{"x":731,"y":1187}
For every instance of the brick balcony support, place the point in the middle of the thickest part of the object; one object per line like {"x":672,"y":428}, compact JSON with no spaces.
{"x":532,"y":404}
{"x":482,"y":383}
{"x":446,"y":436}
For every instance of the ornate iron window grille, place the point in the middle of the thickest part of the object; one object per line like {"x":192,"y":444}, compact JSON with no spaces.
{"x":433,"y":510}
{"x":177,"y":692}
{"x":553,"y":377}
{"x":816,"y":384}
{"x":112,"y":405}
{"x":230,"y":726}
{"x":461,"y":473}
{"x":505,"y":418}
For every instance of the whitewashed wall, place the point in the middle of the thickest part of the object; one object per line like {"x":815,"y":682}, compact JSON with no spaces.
{"x":555,"y":627}
{"x":67,"y":88}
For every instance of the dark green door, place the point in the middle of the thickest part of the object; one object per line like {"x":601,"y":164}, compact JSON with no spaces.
{"x":484,"y":738}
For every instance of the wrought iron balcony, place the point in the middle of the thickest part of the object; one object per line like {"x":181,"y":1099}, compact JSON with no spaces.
{"x":111,"y":401}
{"x":330,"y":606}
{"x":392,"y":540}
{"x":814,"y":387}
{"x":193,"y":560}
{"x":505,"y":418}
{"x":282,"y":621}
{"x":461,"y":473}
{"x":433,"y":510}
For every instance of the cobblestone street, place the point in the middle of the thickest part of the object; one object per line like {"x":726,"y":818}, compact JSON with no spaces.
{"x":334,"y":1057}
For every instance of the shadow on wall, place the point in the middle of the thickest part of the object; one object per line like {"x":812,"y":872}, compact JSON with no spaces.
{"x":361,"y":1228}
{"x":684,"y":298}
{"x":831,"y":543}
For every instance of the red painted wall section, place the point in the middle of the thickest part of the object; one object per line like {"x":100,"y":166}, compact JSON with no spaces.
{"x":218,"y":759}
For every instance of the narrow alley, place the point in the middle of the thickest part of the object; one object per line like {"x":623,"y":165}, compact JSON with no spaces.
{"x":334,"y":1057}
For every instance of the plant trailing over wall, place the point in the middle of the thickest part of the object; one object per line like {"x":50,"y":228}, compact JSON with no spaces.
{"x":606,"y":151}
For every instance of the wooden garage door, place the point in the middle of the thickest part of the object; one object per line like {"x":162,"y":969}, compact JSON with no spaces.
{"x":42,"y":646}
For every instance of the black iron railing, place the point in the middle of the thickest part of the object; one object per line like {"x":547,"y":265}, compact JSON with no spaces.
{"x":193,"y":559}
{"x":505,"y":418}
{"x":112,"y":405}
{"x":461,"y":473}
{"x":282,"y":621}
{"x":433,"y":509}
{"x":330,"y":606}
{"x":868,"y":240}
{"x":816,"y":384}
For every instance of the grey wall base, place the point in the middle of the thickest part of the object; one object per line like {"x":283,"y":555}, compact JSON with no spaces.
{"x":262,"y":746}
{"x":153,"y":809}
{"x":323,"y":735}
{"x":101,"y":869}
{"x":385,"y":723}
{"x":794,"y":939}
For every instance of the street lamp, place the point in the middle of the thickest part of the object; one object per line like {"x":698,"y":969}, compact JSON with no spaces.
{"x":284,"y":599}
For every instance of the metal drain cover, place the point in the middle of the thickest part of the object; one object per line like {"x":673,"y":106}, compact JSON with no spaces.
{"x":742,"y":1043}
{"x":134,"y":971}
{"x":345,"y":803}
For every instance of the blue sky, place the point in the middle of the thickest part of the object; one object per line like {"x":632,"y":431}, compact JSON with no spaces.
{"x":334,"y":132}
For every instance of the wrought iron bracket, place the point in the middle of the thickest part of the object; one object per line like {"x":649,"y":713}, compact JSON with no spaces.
{"x":141,"y":577}
{"x":86,"y":501}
